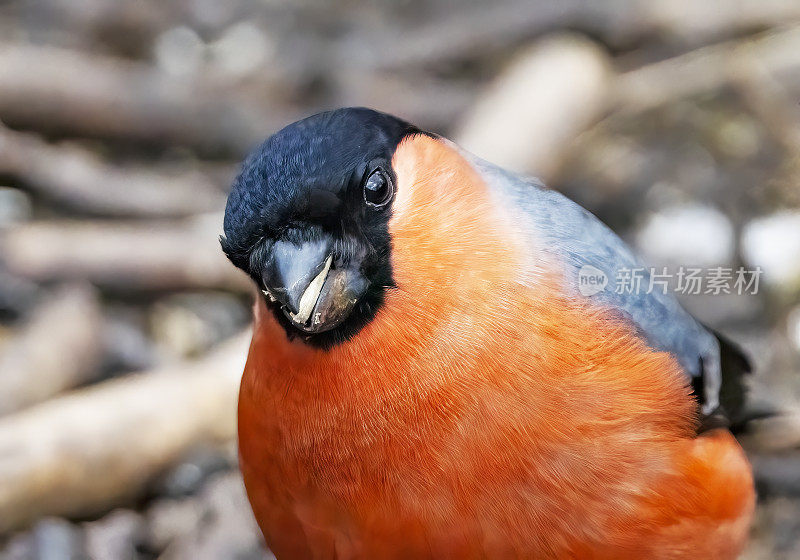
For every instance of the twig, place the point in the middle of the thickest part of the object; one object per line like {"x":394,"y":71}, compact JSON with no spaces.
{"x":76,"y":178}
{"x":56,"y":349}
{"x":83,"y":453}
{"x":64,"y":91}
{"x":704,"y":70}
{"x":537,"y":106}
{"x":121,"y":256}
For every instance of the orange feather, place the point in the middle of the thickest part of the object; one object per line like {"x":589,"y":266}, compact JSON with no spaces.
{"x":483,"y":413}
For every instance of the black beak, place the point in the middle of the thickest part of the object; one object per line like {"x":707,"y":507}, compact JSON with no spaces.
{"x":291,"y":268}
{"x":313,"y":292}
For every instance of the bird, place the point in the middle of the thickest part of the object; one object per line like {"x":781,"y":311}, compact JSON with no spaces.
{"x":427,"y":379}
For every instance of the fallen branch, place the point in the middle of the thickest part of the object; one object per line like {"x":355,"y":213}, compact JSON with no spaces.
{"x":467,"y":34}
{"x":55,"y":350}
{"x":63,"y":91}
{"x":537,"y":106}
{"x":768,"y":100}
{"x":777,"y":475}
{"x":705,"y":70}
{"x":123,"y":257}
{"x":777,"y":433}
{"x":490,"y":28}
{"x":84,"y":453}
{"x":76,"y":178}
{"x":131,"y":28}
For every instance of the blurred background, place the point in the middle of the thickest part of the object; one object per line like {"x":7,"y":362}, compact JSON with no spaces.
{"x":123,"y":330}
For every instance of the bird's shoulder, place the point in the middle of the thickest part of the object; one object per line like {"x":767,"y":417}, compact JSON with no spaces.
{"x":601,"y":268}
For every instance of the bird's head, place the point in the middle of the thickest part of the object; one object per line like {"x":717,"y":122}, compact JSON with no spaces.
{"x":307,"y":219}
{"x":327,"y":216}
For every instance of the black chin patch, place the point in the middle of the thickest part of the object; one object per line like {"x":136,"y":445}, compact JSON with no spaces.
{"x":362,"y":314}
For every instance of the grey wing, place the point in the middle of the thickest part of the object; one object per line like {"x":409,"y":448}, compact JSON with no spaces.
{"x":584,"y":243}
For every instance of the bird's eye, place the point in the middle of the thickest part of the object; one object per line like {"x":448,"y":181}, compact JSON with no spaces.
{"x":378,"y":189}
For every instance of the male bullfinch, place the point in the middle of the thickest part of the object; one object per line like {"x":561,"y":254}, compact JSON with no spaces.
{"x":428,"y":380}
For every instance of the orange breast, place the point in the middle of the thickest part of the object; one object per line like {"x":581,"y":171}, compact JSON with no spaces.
{"x":483,"y":413}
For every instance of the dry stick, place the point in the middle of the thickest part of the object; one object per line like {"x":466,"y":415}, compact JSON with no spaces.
{"x":59,"y":90}
{"x":538,"y":105}
{"x":468,"y":33}
{"x":83,"y":453}
{"x":705,"y":70}
{"x":123,"y":256}
{"x":698,"y":22}
{"x":768,"y":100}
{"x":701,"y":71}
{"x":78,"y":179}
{"x":56,"y":349}
{"x":775,"y":433}
{"x":473,"y":30}
{"x":776,"y":474}
{"x":107,"y":22}
{"x":492,"y":27}
{"x":550,"y":92}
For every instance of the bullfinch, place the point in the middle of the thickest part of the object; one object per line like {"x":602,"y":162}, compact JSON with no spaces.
{"x":428,"y":379}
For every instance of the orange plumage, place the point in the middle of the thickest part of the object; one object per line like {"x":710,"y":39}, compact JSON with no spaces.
{"x":483,"y":412}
